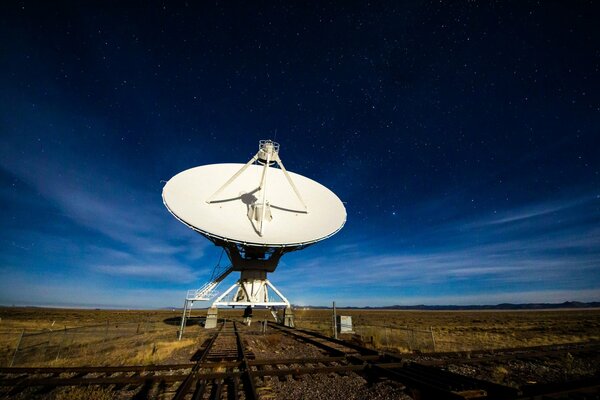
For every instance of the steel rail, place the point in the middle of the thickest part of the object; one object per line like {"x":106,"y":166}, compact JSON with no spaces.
{"x":525,"y":353}
{"x":110,"y":380}
{"x":92,"y":369}
{"x":363,"y":351}
{"x":431,"y":382}
{"x":247,"y":373}
{"x":185,"y":386}
{"x":160,"y":368}
{"x":565,"y":346}
{"x":311,"y":340}
{"x":577,"y":388}
{"x":418,"y":381}
{"x":220,"y":370}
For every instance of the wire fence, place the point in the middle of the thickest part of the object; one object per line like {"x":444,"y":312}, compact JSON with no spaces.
{"x":91,"y":345}
{"x":87,"y":342}
{"x":395,"y":338}
{"x":380,"y":336}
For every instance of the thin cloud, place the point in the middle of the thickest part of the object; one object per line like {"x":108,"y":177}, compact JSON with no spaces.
{"x":51,"y":292}
{"x":132,"y":238}
{"x":132,"y":218}
{"x":558,"y":255}
{"x":163,"y":273}
{"x":533,"y":211}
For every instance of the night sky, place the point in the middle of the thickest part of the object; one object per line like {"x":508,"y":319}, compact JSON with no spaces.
{"x":463,"y":138}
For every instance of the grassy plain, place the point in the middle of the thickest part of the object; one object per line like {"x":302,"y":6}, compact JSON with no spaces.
{"x":465,"y":330}
{"x":71,"y":337}
{"x":119,"y":337}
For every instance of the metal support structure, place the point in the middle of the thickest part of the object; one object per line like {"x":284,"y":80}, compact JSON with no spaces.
{"x":289,"y":179}
{"x":268,"y":153}
{"x":187,"y":312}
{"x":263,"y":187}
{"x":251,"y":293}
{"x":254,"y":262}
{"x":183,"y":318}
{"x":233,"y":178}
{"x":254,"y":293}
{"x":205,"y":293}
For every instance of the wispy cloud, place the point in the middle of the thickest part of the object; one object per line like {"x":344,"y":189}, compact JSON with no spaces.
{"x":162,"y":273}
{"x":475,"y":254}
{"x":111,"y":213}
{"x":72,"y":291}
{"x":552,"y":246}
{"x":124,"y":230}
{"x":533,"y":211}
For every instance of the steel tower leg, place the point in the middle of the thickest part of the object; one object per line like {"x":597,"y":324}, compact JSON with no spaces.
{"x":183,"y":318}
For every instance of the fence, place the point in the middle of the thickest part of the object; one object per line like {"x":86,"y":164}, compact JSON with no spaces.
{"x":395,"y":338}
{"x":87,"y":342}
{"x":380,"y":336}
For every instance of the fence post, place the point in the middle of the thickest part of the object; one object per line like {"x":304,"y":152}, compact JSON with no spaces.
{"x":17,"y":348}
{"x":60,"y":345}
{"x":47,"y":346}
{"x":387,"y":339}
{"x":334,"y":322}
{"x":432,"y":338}
{"x":414,"y":340}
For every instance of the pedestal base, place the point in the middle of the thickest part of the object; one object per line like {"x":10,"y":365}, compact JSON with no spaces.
{"x":288,"y":317}
{"x":211,"y":318}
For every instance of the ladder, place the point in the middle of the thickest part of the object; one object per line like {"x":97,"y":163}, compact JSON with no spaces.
{"x":205,"y":293}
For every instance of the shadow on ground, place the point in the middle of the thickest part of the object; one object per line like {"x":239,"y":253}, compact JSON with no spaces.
{"x":191,"y":321}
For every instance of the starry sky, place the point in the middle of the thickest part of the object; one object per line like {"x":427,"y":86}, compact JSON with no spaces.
{"x":463,"y":138}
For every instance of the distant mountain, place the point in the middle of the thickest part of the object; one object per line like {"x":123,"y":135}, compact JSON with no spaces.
{"x":503,"y":306}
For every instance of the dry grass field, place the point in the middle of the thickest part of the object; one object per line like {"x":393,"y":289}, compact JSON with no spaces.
{"x":465,"y":330}
{"x":63,"y":337}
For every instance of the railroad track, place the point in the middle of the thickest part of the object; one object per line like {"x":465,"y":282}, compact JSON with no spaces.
{"x":423,"y":381}
{"x":225,"y":368}
{"x":519,"y":353}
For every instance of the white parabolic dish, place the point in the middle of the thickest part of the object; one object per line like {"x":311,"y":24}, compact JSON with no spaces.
{"x":185,"y":195}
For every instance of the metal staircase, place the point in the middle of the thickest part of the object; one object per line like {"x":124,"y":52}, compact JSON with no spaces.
{"x":208,"y":290}
{"x":205,"y":293}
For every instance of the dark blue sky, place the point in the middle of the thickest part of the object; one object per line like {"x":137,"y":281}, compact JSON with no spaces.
{"x":463,"y":138}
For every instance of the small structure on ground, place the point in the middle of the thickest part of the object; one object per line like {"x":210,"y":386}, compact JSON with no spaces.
{"x":344,"y":324}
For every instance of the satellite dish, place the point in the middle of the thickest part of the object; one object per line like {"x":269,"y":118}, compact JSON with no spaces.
{"x":236,"y":213}
{"x":257,"y":213}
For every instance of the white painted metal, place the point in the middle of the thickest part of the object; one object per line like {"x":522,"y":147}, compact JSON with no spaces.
{"x":207,"y":291}
{"x":257,"y":215}
{"x":268,"y":151}
{"x":255,"y":292}
{"x":215,"y":194}
{"x":198,"y":198}
{"x":184,"y":195}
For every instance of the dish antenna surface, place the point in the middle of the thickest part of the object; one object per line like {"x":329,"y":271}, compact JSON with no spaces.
{"x":256,"y":212}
